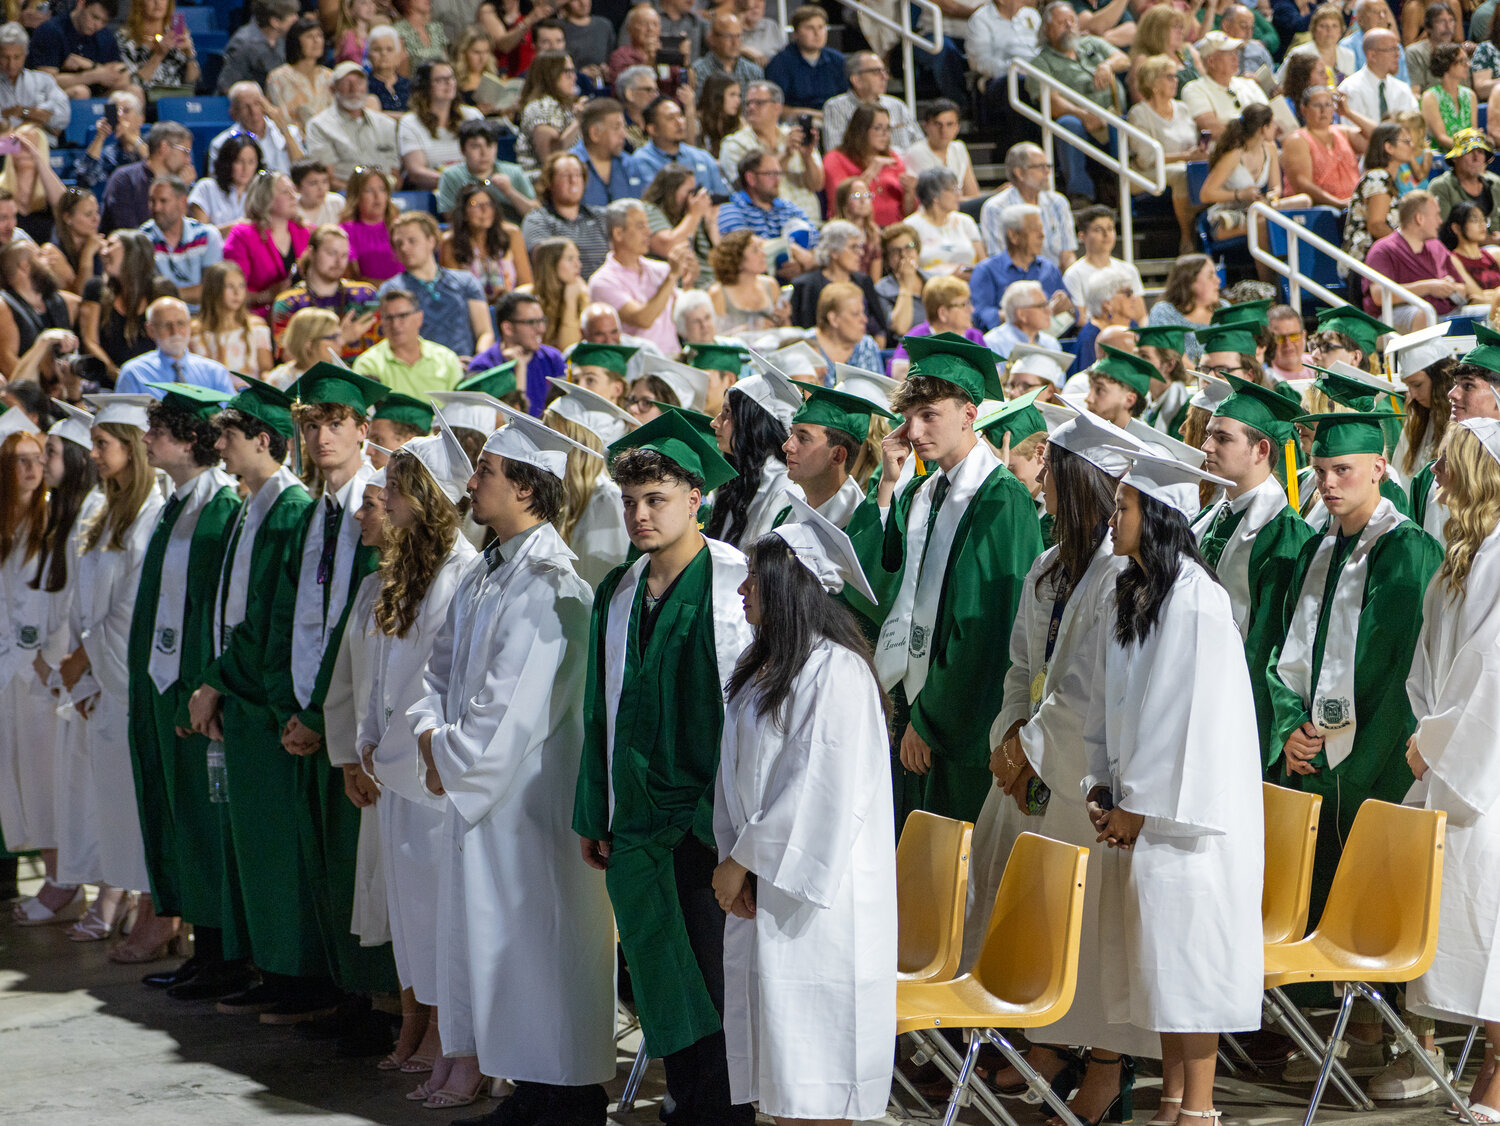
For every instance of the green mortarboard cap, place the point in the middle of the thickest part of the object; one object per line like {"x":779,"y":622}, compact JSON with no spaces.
{"x":497,"y":382}
{"x":1342,"y":390}
{"x":1245,"y":313}
{"x":1486,"y":352}
{"x":1348,"y":432}
{"x":329,"y":383}
{"x":718,"y":357}
{"x":263,"y":401}
{"x":1171,"y":337}
{"x":200,"y":402}
{"x":1129,"y":369}
{"x":1019,"y":418}
{"x":951,"y":358}
{"x":1260,"y":407}
{"x":611,"y":357}
{"x":701,"y":422}
{"x":676,"y":438}
{"x":1237,"y":338}
{"x":849,"y":413}
{"x":1354,"y":323}
{"x":406,"y":410}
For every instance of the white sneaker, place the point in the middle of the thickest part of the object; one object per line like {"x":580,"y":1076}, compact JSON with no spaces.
{"x":1406,"y":1078}
{"x":1358,"y":1058}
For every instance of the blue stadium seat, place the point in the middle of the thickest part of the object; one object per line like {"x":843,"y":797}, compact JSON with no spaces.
{"x":416,"y":201}
{"x":1197,"y":176}
{"x":1314,"y":264}
{"x":86,"y":111}
{"x":63,"y":162}
{"x":199,"y":20}
{"x":190,"y":110}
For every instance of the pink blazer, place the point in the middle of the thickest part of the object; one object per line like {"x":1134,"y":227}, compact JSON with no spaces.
{"x":253,"y":252}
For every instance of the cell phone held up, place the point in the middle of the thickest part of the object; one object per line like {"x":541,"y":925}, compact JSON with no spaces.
{"x":805,"y":124}
{"x":9,"y":146}
{"x":112,"y":115}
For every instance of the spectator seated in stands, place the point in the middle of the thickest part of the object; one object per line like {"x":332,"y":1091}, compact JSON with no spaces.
{"x":427,"y":135}
{"x":601,"y":148}
{"x":1244,"y":169}
{"x":348,"y":134}
{"x":801,"y":166}
{"x":29,"y":178}
{"x":901,"y":281}
{"x":157,"y":49}
{"x":1325,"y":47}
{"x":808,"y":71}
{"x":1238,"y":22}
{"x":480,"y":242}
{"x":1090,"y":67}
{"x":1028,"y":173}
{"x":73,"y":255}
{"x":563,"y":214}
{"x":724,"y":54}
{"x":1469,"y":180}
{"x":941,"y":148}
{"x":113,"y":146}
{"x":1372,"y":209}
{"x":77,"y":49}
{"x":1021,"y":260}
{"x":1164,"y":30}
{"x":390,"y":91}
{"x":950,"y":239}
{"x":546,"y":109}
{"x":643,"y":290}
{"x":316,"y":205}
{"x":1162,"y":116}
{"x":841,"y":337}
{"x":764,"y":35}
{"x":1414,"y":258}
{"x":311,"y":337}
{"x":1287,"y":354}
{"x":1112,"y":297}
{"x":1001,"y":33}
{"x":183,"y":246}
{"x":1096,"y":227}
{"x":642,"y":42}
{"x":1027,"y":313}
{"x":1439,"y":26}
{"x":1376,"y":91}
{"x":1221,"y":95}
{"x":219,"y":198}
{"x":112,"y":315}
{"x":505,"y":181}
{"x":302,"y":86}
{"x":588,"y":39}
{"x":745,"y":301}
{"x":30,"y":303}
{"x":452,"y":301}
{"x":170,"y":327}
{"x":1189,"y":298}
{"x":369,"y":214}
{"x":259,"y":47}
{"x":254,"y":114}
{"x":666,"y":128}
{"x":405,"y":360}
{"x":522,"y":326}
{"x":757,"y":207}
{"x":322,"y":285}
{"x":866,"y":152}
{"x":268,"y":241}
{"x":28,"y":96}
{"x":226,"y":330}
{"x":1375,"y":15}
{"x":839,"y":255}
{"x":1449,"y":105}
{"x":947,"y":307}
{"x":868,"y":78}
{"x":1319,"y":160}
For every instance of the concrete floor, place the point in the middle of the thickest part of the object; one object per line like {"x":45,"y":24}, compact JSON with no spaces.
{"x":83,"y":1043}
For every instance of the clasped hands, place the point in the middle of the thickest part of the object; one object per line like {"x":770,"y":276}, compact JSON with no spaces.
{"x":1118,"y":828}
{"x":732,"y":889}
{"x":1012,"y":771}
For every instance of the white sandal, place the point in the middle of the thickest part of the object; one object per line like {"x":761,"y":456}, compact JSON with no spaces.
{"x":1484,"y":1115}
{"x":34,"y":913}
{"x":1166,"y":1121}
{"x":1213,"y":1115}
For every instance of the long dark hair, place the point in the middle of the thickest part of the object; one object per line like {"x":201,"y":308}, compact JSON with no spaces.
{"x":223,"y":169}
{"x":1239,"y":131}
{"x":757,"y":436}
{"x":63,"y":505}
{"x":133,"y":287}
{"x":496,"y":241}
{"x":1085,"y":497}
{"x":856,"y":142}
{"x":716,"y":123}
{"x":1457,"y":218}
{"x":796,"y":613}
{"x":1165,"y":541}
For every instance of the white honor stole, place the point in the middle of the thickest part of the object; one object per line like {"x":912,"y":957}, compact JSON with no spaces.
{"x":1263,"y":503}
{"x":731,"y":634}
{"x":905,"y":648}
{"x":229,"y":607}
{"x":840,"y":508}
{"x":309,"y":628}
{"x":1331,"y":702}
{"x":171,"y":595}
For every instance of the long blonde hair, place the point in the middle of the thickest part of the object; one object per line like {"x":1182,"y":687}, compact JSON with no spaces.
{"x":8,"y":178}
{"x":412,"y":556}
{"x":1473,"y":499}
{"x":581,"y":476}
{"x":869,"y":456}
{"x":122,"y":503}
{"x":213,"y":318}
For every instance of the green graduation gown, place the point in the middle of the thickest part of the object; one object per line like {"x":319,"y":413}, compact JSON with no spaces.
{"x":868,"y":537}
{"x":1396,"y":576}
{"x":268,"y":912}
{"x":180,"y":826}
{"x":655,"y":786}
{"x":997,"y":538}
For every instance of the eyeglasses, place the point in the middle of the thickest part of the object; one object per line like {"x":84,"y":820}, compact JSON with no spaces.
{"x":870,"y":70}
{"x":1221,"y":370}
{"x":909,"y":248}
{"x":860,"y":195}
{"x":530,"y":322}
{"x":1289,"y":337}
{"x":635,"y":403}
{"x":401,"y":316}
{"x":775,"y":173}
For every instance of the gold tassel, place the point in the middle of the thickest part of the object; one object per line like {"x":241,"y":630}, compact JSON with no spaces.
{"x":1291,"y":476}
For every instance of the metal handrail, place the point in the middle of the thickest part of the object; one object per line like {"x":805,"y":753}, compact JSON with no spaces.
{"x":1118,"y":164}
{"x":1297,"y":281}
{"x":909,"y":38}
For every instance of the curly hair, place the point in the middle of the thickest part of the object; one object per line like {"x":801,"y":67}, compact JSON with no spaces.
{"x":412,"y":556}
{"x":420,"y":102}
{"x":647,"y":467}
{"x":122,"y":502}
{"x":496,"y":240}
{"x":1473,"y":498}
{"x":581,"y":475}
{"x":252,"y":427}
{"x":728,"y":257}
{"x":199,"y":433}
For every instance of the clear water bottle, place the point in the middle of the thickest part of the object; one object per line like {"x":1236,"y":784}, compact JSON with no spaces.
{"x":218,"y":776}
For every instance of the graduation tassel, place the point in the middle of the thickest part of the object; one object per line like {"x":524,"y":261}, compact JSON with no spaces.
{"x":1397,"y":406}
{"x":1291,"y":475}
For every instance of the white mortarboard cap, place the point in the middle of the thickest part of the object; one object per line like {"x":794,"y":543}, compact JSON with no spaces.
{"x":1416,"y":350}
{"x":1032,"y":359}
{"x":1098,"y":441}
{"x":16,"y":421}
{"x":798,"y":358}
{"x":1165,"y":444}
{"x":442,"y":455}
{"x":1211,"y":391}
{"x":1170,"y":481}
{"x":824,"y":549}
{"x":473,"y":410}
{"x":1487,"y":430}
{"x":868,"y":385}
{"x":1374,"y":382}
{"x":532,"y":442}
{"x":689,"y":384}
{"x":774,"y":393}
{"x":74,"y":426}
{"x":124,"y":410}
{"x":1056,"y":414}
{"x":606,"y":420}
{"x":378,"y":480}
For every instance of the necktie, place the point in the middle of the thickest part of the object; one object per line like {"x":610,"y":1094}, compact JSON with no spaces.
{"x":1383,"y":108}
{"x":174,"y":502}
{"x":227,"y":575}
{"x":177,"y":370}
{"x":332,"y":513}
{"x":939,"y":494}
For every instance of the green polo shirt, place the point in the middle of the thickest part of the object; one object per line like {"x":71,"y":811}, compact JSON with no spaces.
{"x":439,"y":369}
{"x":1077,"y":74}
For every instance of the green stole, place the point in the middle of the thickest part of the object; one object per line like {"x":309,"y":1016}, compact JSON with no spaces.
{"x":180,"y":826}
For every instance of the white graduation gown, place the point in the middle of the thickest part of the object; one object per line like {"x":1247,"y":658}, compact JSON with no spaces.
{"x":1398,"y":456}
{"x":769,"y":500}
{"x":1171,"y":731}
{"x":1454,"y":688}
{"x":599,"y":539}
{"x":348,"y":689}
{"x":28,"y":713}
{"x":527,"y":960}
{"x":412,"y":825}
{"x":102,"y":609}
{"x":810,"y":982}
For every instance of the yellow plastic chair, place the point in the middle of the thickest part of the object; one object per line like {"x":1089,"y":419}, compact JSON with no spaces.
{"x":932,"y":881}
{"x":1379,"y":925}
{"x":1024,"y":978}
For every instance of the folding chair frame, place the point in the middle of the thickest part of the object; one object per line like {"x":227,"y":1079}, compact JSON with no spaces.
{"x":1408,"y":1041}
{"x":1279,"y":1008}
{"x":990,"y":1106}
{"x":1463,"y":1056}
{"x":633,"y":1082}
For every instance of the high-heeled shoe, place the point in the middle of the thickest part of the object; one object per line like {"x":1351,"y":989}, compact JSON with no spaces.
{"x":1122,"y":1109}
{"x":1062,"y":1083}
{"x":34,"y":913}
{"x":451,"y":1100}
{"x":124,"y":955}
{"x":413,"y":1064}
{"x":94,"y":927}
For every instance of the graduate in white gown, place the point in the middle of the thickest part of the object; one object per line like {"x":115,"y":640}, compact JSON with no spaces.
{"x":751,"y":429}
{"x":528,"y":956}
{"x":1454,"y":688}
{"x":1174,"y":791}
{"x":806,"y":838}
{"x":592,"y":522}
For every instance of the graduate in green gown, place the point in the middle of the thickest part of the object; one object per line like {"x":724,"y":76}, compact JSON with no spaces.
{"x":962,"y":539}
{"x":1119,"y":386}
{"x":1349,"y":334}
{"x":1251,"y":536}
{"x":171,"y":640}
{"x":1361,"y":393}
{"x":823,"y":441}
{"x":665,"y":635}
{"x":1337,"y":675}
{"x":1018,"y":432}
{"x":1162,"y":347}
{"x":267,"y":911}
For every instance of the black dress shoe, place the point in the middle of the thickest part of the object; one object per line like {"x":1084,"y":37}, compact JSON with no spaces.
{"x":217,"y":980}
{"x":165,"y":979}
{"x":256,"y":999}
